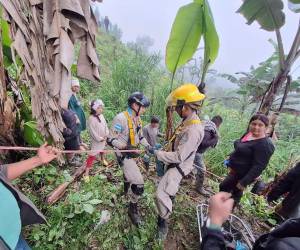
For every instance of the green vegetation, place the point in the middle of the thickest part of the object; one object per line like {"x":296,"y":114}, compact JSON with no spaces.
{"x":74,"y":220}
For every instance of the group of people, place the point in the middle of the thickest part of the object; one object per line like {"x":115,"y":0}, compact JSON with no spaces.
{"x":175,"y":160}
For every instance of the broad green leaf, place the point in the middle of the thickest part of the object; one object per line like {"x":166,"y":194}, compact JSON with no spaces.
{"x":198,"y":1}
{"x":272,"y":221}
{"x":211,"y":38}
{"x":95,"y":201}
{"x":6,"y":42}
{"x":88,"y":208}
{"x":294,"y":5}
{"x":268,"y":13}
{"x":87,"y":196}
{"x":31,"y":135}
{"x":185,"y":36}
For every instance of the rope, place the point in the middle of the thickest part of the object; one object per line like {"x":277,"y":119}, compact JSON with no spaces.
{"x":72,"y":151}
{"x":105,"y":152}
{"x":208,"y":172}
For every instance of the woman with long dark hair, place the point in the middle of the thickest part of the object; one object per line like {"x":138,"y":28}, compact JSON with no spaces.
{"x":250,"y":157}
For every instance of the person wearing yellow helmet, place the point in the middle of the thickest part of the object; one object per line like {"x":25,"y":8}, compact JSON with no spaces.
{"x":181,"y":149}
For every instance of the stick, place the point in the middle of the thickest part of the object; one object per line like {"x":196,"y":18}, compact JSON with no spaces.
{"x":58,"y":192}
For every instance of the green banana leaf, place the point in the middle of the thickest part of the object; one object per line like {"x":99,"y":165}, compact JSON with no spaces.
{"x":268,"y":13}
{"x":31,"y":135}
{"x":211,"y":38}
{"x":185,"y":35}
{"x":6,"y":42}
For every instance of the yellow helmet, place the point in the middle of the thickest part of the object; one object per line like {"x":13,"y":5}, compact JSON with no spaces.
{"x":186,"y":93}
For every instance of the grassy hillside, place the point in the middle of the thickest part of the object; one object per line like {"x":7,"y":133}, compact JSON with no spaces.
{"x":74,"y":220}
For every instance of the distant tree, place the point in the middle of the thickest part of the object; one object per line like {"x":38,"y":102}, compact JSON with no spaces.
{"x":271,"y":17}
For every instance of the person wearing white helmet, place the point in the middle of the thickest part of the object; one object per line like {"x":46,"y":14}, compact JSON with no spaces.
{"x":75,"y":105}
{"x":98,"y":131}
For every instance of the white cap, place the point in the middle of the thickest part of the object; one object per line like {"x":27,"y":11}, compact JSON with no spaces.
{"x":98,"y":103}
{"x":75,"y":82}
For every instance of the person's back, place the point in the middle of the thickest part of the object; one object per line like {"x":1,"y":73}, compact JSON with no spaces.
{"x":71,"y":130}
{"x":284,"y":237}
{"x":210,"y":140}
{"x":71,"y":135}
{"x":211,"y":136}
{"x":289,"y":184}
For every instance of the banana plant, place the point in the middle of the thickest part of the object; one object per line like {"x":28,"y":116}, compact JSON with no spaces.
{"x":192,"y":21}
{"x":271,"y":17}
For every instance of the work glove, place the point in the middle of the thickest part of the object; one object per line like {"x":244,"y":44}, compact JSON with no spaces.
{"x":151,"y":150}
{"x":226,"y":163}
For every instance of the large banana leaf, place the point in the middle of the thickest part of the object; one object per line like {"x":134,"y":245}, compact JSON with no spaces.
{"x":185,"y":35}
{"x":211,"y":38}
{"x":268,"y":13}
{"x":6,"y":42}
{"x":31,"y":135}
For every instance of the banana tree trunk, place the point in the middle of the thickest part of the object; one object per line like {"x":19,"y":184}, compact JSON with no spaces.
{"x":272,"y":92}
{"x":286,"y":62}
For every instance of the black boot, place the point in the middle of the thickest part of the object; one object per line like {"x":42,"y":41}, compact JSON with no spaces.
{"x":126,"y":187}
{"x":134,"y":214}
{"x":199,"y":185}
{"x":162,"y":226}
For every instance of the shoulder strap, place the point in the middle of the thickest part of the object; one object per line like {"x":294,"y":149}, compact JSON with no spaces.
{"x":178,"y":131}
{"x":131,"y":129}
{"x":192,"y":122}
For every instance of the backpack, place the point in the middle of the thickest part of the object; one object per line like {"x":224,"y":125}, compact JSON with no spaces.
{"x":210,"y":138}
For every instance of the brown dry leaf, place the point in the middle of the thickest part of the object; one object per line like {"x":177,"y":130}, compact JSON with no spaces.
{"x":44,"y":33}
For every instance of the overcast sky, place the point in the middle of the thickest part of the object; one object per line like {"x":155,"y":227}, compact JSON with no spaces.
{"x":241,"y":45}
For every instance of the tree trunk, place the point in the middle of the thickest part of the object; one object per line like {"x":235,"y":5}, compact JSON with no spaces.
{"x":286,"y":91}
{"x":286,"y":62}
{"x":270,"y":96}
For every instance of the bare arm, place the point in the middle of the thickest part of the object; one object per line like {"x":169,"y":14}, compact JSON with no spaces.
{"x":45,"y":155}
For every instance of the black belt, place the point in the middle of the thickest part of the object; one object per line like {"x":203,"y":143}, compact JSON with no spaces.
{"x":177,"y":167}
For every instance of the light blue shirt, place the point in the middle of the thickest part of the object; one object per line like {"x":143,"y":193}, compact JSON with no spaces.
{"x":10,"y":220}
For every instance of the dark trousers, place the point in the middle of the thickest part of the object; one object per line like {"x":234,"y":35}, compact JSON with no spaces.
{"x":229,"y":185}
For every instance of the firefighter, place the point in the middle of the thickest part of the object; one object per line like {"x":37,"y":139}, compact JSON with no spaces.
{"x":126,"y":133}
{"x":179,"y":154}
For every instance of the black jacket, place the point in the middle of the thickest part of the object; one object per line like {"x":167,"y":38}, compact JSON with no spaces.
{"x":284,"y":237}
{"x":289,"y":184}
{"x":71,"y":131}
{"x":250,"y":158}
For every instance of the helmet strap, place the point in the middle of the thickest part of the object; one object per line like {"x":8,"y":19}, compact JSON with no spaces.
{"x":138,"y":111}
{"x":179,"y":109}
